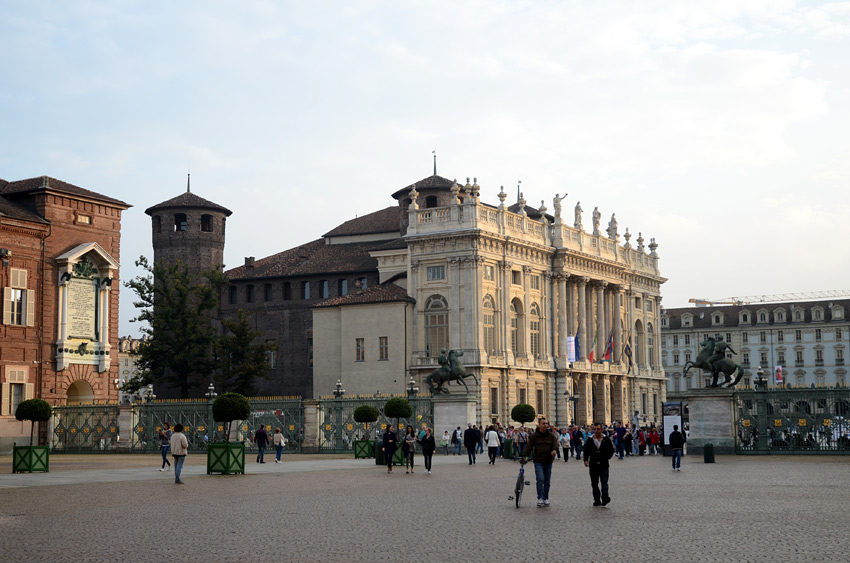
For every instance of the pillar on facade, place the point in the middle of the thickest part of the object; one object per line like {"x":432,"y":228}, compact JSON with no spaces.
{"x":582,"y":316}
{"x":618,"y":324}
{"x":601,"y":333}
{"x":563,"y":321}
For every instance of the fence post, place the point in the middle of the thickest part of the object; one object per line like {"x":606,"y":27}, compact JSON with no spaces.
{"x":310,"y":429}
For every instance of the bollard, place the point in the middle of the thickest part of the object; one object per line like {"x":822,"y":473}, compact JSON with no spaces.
{"x":708,"y":453}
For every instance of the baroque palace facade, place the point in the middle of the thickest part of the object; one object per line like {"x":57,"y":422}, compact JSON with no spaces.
{"x":373,"y":302}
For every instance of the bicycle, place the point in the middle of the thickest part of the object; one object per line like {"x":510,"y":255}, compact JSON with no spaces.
{"x":520,"y":483}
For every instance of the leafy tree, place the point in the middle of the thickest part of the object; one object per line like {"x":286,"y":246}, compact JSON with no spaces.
{"x":398,"y":407}
{"x":34,"y":410}
{"x":523,"y":413}
{"x":242,"y":356}
{"x":178,"y":313}
{"x":228,"y":407}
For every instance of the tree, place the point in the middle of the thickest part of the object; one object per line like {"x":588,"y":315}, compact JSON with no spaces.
{"x":34,"y":410}
{"x":523,"y":413}
{"x":178,"y":314}
{"x":365,"y":414}
{"x":242,"y":356}
{"x":398,"y":407}
{"x":228,"y":407}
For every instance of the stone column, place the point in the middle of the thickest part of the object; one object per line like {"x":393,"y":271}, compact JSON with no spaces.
{"x":582,"y":316}
{"x":418,"y":309}
{"x":563,"y":321}
{"x":311,"y":426}
{"x":454,"y":305}
{"x":504,"y":275}
{"x":601,"y":334}
{"x":618,"y":324}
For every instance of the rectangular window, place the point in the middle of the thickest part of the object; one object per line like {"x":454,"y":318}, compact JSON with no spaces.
{"x":267,"y":292}
{"x":654,"y":403}
{"x":271,"y":358}
{"x":516,"y":277}
{"x":675,"y":340}
{"x":763,"y":337}
{"x":780,"y":357}
{"x":310,"y":353}
{"x":838,"y":335}
{"x":818,"y":335}
{"x":798,"y":335}
{"x":18,"y":301}
{"x":535,"y":282}
{"x":687,"y":357}
{"x":16,"y":392}
{"x":383,"y":348}
{"x":325,"y":289}
{"x":83,"y":220}
{"x":305,"y":290}
{"x":534,"y":327}
{"x":540,"y":404}
{"x":249,"y":294}
{"x":744,"y":339}
{"x":728,"y":337}
{"x":839,"y":357}
{"x":234,"y":295}
{"x":818,"y":357}
{"x":687,"y":340}
{"x":489,"y":331}
{"x":746,"y":359}
{"x":489,"y":273}
{"x":287,"y":291}
{"x":359,"y":350}
{"x":637,"y":305}
{"x":435,"y":273}
{"x":343,"y":287}
{"x":780,"y":336}
{"x":799,"y":358}
{"x":675,"y":359}
{"x":763,"y":358}
{"x":523,"y":398}
{"x":643,"y":403}
{"x":494,"y":401}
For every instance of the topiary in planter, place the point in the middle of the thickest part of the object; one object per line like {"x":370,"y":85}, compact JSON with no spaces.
{"x":364,"y":414}
{"x":34,"y":410}
{"x":523,"y":413}
{"x":229,"y":407}
{"x":398,"y":407}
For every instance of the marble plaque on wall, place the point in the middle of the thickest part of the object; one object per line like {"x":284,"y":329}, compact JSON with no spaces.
{"x":82,"y":309}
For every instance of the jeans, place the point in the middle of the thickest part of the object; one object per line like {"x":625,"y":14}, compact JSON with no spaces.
{"x":635,"y":447}
{"x":652,"y":449}
{"x":620,"y":449}
{"x":278,"y":451}
{"x":677,"y":458}
{"x":595,"y":478}
{"x":261,"y":453}
{"x":164,"y":451}
{"x":578,"y":446}
{"x":457,"y":448}
{"x":543,"y":473}
{"x":479,"y":449}
{"x":427,"y":458}
{"x":408,"y":460}
{"x":178,"y":467}
{"x":471,"y":453}
{"x":566,"y":454}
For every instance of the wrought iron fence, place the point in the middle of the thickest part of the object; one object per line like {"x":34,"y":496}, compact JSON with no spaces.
{"x":338,"y":429}
{"x":806,"y":421}
{"x":85,"y":428}
{"x":194,"y":414}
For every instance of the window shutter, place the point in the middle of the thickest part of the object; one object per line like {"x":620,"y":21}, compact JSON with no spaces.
{"x":4,"y":399}
{"x":30,"y":307}
{"x":7,"y":306}
{"x":19,"y":278}
{"x":30,"y":391}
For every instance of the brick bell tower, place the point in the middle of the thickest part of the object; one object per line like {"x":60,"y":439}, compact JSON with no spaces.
{"x":190,"y":229}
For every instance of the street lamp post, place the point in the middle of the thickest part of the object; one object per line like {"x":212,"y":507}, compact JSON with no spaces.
{"x":149,"y":399}
{"x":211,"y":395}
{"x":761,"y":387}
{"x":412,"y":389}
{"x":338,"y":394}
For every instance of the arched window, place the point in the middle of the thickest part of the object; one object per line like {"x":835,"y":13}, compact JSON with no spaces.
{"x":324,"y":287}
{"x":287,"y":291}
{"x":267,"y":292}
{"x":180,"y":222}
{"x":436,"y":325}
{"x":517,"y":326}
{"x":305,"y":290}
{"x":489,"y":325}
{"x":342,"y":287}
{"x":650,"y":343}
{"x":534,"y":329}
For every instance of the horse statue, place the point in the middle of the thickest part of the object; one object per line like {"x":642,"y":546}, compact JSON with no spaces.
{"x":451,"y":369}
{"x":715,"y":363}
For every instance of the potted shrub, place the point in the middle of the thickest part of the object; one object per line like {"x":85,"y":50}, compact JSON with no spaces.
{"x":228,"y":457}
{"x":521,"y":413}
{"x":398,"y":408}
{"x":32,"y":458}
{"x":364,"y":448}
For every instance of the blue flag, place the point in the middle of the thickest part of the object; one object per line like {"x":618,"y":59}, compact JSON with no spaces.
{"x":628,"y":352}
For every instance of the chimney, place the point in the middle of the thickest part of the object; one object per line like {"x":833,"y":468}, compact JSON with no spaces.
{"x":249,"y":262}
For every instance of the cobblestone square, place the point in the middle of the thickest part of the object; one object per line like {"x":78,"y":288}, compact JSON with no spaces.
{"x":310,"y":508}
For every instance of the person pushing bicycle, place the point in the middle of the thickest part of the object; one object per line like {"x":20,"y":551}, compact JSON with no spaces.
{"x":544,"y":443}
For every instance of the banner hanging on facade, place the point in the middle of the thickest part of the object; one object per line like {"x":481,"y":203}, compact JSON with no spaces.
{"x":571,"y":349}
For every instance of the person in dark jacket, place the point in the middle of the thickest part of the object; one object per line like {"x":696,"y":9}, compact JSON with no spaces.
{"x":261,"y":438}
{"x":677,"y":443}
{"x":428,"y":446}
{"x":389,"y":447}
{"x":544,"y":443}
{"x":597,"y":451}
{"x":471,"y":437}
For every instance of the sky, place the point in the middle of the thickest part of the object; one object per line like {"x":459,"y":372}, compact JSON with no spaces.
{"x":720,"y":128}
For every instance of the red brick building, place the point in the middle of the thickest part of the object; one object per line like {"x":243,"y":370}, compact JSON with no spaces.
{"x":59,"y":248}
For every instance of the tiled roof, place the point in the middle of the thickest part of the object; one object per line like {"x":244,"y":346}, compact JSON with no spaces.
{"x":188,"y":199}
{"x":383,"y":221}
{"x":384,"y":293}
{"x":311,"y":259}
{"x":431,"y":182}
{"x":47,"y":183}
{"x":731,"y":314}
{"x":395,"y":244}
{"x":9,"y":209}
{"x":531,"y":212}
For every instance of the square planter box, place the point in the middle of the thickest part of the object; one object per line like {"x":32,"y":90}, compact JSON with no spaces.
{"x":226,"y":458}
{"x":364,"y":449}
{"x":30,"y":458}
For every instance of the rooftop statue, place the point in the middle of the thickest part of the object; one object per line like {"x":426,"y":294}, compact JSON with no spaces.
{"x":577,"y":223}
{"x":597,"y":216}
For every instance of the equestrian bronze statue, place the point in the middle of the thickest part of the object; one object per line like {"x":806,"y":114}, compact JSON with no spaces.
{"x":450,"y":370}
{"x":713,"y":358}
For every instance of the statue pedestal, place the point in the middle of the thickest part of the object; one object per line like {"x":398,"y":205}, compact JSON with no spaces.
{"x":711,"y":420}
{"x":451,"y":411}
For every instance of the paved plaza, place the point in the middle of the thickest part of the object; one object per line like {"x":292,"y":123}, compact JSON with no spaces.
{"x":335,"y":508}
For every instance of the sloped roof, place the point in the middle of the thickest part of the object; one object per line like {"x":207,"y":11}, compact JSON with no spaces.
{"x":395,"y":244}
{"x":310,"y":259}
{"x":731,"y":313}
{"x":383,"y":221}
{"x":45,"y":183}
{"x":431,"y":182}
{"x":9,"y":209}
{"x":188,"y":199}
{"x":531,"y":212}
{"x":383,"y":293}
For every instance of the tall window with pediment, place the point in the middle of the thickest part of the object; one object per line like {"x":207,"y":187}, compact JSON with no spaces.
{"x":534,"y":329}
{"x":489,"y":325}
{"x":436,"y":325}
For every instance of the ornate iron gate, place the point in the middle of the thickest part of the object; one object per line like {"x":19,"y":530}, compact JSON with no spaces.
{"x":276,"y":412}
{"x":338,"y":430}
{"x":85,"y":428}
{"x":194,"y":414}
{"x":806,"y":421}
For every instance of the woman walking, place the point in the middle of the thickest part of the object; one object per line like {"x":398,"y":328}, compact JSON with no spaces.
{"x":492,"y":439}
{"x":445,"y":441}
{"x":428,"y":446}
{"x":165,"y":445}
{"x":409,"y":448}
{"x":278,"y":444}
{"x":389,"y":447}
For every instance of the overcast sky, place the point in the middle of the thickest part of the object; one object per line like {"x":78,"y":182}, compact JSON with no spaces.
{"x":721,"y":128}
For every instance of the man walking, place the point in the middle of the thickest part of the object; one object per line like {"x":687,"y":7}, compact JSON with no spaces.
{"x":457,"y":440}
{"x":179,"y":449}
{"x":597,"y":451}
{"x":261,"y":438}
{"x":545,"y":445}
{"x":677,"y":443}
{"x":471,"y":438}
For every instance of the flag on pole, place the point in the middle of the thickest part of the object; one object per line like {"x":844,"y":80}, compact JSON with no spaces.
{"x":609,"y":349}
{"x":628,"y":352}
{"x":592,"y":355}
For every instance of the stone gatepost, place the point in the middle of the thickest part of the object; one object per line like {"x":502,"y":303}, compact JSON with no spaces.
{"x":451,"y":411}
{"x":711,"y":418}
{"x":125,"y":428}
{"x":310,"y":445}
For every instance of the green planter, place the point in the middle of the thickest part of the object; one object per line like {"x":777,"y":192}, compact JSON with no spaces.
{"x":380,"y":458}
{"x":508,"y":449}
{"x":364,"y":449}
{"x":398,"y":457}
{"x":226,"y":458}
{"x":30,"y":458}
